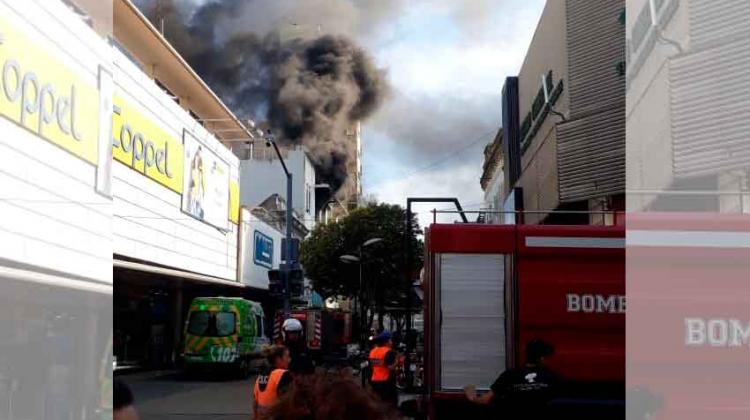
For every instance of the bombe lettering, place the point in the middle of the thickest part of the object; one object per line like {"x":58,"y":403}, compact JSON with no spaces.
{"x":593,"y":303}
{"x":716,"y":332}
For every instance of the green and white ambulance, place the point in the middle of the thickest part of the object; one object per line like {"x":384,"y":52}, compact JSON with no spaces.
{"x":223,"y":332}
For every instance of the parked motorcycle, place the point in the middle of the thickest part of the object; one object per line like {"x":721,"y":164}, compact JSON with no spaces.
{"x":415,"y":367}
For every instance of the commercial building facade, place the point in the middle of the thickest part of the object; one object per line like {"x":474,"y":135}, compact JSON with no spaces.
{"x":563,"y":116}
{"x":262,"y":176}
{"x":492,"y":181}
{"x":55,"y":213}
{"x":176,"y":195}
{"x":353,"y":185}
{"x":118,"y":196}
{"x":687,"y":107}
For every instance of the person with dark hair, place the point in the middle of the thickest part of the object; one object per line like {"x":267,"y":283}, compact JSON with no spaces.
{"x":522,"y":392}
{"x":328,"y":397}
{"x":274,"y":382}
{"x":382,"y":362}
{"x":122,"y":402}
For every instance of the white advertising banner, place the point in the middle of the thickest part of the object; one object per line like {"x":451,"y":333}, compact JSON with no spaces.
{"x":205,"y":193}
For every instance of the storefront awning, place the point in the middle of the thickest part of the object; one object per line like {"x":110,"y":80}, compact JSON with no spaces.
{"x":22,"y":274}
{"x":129,"y":265}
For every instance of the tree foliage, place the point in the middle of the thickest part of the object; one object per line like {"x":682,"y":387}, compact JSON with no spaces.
{"x":383,"y":263}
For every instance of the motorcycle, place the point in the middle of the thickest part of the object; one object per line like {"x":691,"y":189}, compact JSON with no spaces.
{"x":415,"y":367}
{"x":359,"y":363}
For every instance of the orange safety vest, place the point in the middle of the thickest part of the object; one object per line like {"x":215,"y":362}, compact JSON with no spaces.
{"x":270,"y":395}
{"x":380,"y":372}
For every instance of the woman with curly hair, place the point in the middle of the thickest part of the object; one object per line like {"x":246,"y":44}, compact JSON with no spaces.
{"x":323,"y":397}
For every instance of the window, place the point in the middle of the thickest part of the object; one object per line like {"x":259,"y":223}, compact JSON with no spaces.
{"x":258,"y":326}
{"x":211,"y":324}
{"x":308,"y":197}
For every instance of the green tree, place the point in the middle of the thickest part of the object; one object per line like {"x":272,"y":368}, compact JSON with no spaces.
{"x":383,"y":263}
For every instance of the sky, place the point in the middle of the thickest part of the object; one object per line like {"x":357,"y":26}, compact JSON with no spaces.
{"x":445,"y":63}
{"x":446,"y":67}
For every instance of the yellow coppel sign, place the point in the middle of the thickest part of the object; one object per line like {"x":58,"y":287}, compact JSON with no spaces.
{"x":141,"y":144}
{"x":42,"y":95}
{"x":234,"y":202}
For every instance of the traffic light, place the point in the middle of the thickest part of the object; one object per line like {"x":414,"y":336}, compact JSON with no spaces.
{"x":275,"y":283}
{"x":297,"y":284}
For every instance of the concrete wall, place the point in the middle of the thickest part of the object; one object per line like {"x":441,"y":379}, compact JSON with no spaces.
{"x":148,"y":221}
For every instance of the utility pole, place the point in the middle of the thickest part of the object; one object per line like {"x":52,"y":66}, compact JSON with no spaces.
{"x":359,"y":259}
{"x":290,"y":263}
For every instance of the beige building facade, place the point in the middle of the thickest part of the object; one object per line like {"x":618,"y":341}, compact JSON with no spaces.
{"x":687,"y":106}
{"x":568,"y":137}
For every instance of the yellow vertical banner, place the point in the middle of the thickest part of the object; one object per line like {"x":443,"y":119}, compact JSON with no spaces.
{"x":234,"y":202}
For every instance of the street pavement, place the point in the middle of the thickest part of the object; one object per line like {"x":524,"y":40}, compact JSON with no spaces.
{"x":169,"y":395}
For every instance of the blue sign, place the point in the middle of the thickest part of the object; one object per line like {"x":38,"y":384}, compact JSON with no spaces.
{"x":263,"y":250}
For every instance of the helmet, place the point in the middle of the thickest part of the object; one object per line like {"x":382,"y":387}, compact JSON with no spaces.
{"x":292,"y":325}
{"x":384,"y":336}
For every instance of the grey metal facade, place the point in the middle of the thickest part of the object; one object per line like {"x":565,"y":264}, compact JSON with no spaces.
{"x":591,"y":155}
{"x":591,"y":143}
{"x":709,"y":94}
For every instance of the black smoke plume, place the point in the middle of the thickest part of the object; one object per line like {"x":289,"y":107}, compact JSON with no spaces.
{"x":310,"y":90}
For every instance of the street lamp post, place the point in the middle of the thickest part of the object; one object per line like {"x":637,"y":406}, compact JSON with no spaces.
{"x":290,"y":262}
{"x":351,"y":259}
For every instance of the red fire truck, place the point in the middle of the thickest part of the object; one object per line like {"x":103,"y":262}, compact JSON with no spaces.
{"x":326,"y":331}
{"x":688,"y":324}
{"x":489,"y":289}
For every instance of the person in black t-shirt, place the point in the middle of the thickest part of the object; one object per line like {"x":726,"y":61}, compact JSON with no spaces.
{"x":522,"y":392}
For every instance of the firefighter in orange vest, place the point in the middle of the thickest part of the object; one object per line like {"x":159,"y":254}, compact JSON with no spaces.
{"x":382,"y":362}
{"x":275,"y":382}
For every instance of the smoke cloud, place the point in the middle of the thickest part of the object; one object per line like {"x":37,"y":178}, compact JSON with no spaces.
{"x":310,"y":87}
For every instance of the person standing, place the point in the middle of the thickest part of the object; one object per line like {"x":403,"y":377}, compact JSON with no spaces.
{"x":302,"y":363}
{"x":382,"y":363}
{"x":274,"y":382}
{"x":522,"y":392}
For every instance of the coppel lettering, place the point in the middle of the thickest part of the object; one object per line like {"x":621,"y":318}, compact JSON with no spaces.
{"x":141,"y":149}
{"x":35,"y":97}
